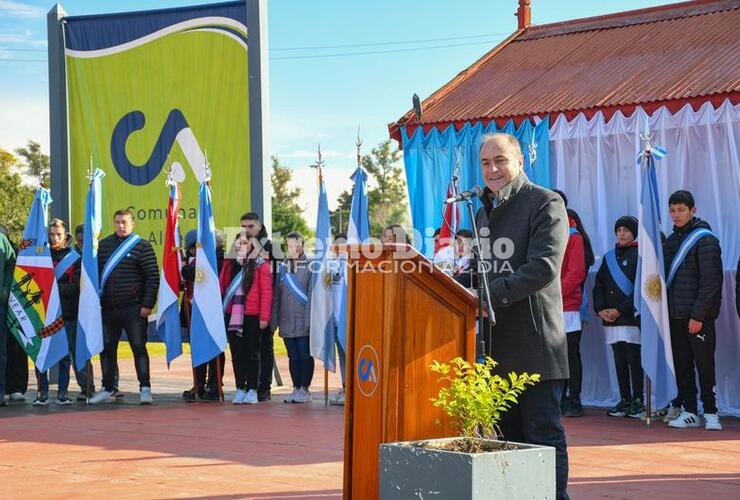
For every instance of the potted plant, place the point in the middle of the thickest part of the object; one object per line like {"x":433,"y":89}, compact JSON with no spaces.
{"x":474,"y":465}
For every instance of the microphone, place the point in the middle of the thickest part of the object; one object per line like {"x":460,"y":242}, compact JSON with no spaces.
{"x":476,"y":192}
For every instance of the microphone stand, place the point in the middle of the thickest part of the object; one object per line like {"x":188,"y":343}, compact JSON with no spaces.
{"x":482,"y":279}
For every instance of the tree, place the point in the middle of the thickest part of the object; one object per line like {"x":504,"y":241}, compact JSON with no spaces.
{"x":340,"y":217}
{"x":388,"y":200}
{"x":286,"y":213}
{"x":35,"y":161}
{"x":15,"y":198}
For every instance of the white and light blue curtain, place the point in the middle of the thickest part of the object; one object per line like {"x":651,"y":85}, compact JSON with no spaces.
{"x":429,"y":159}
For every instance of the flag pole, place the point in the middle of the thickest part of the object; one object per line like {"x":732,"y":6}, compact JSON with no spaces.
{"x":648,"y":401}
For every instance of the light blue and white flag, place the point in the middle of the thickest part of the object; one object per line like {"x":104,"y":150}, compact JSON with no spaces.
{"x":358,"y":231}
{"x":89,"y":320}
{"x":650,"y":291}
{"x":207,"y":328}
{"x":322,"y":293}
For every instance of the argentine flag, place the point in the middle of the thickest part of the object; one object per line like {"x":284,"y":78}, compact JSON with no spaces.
{"x":34,"y":311}
{"x":650,"y":292}
{"x":168,"y":314}
{"x":89,"y":319}
{"x":358,"y":230}
{"x":322,"y":293}
{"x":207,"y":328}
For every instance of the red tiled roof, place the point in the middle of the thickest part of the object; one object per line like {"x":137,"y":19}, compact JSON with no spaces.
{"x":674,"y":53}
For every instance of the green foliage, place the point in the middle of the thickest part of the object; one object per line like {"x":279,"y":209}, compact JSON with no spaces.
{"x":339,"y":218}
{"x":387,"y":200}
{"x":476,"y":397}
{"x":286,"y":213}
{"x":15,"y":198}
{"x":35,"y":161}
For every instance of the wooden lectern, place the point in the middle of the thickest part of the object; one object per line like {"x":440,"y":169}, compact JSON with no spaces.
{"x":402,"y":314}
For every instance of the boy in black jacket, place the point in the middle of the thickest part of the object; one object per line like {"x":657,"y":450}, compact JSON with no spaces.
{"x":693,"y":261}
{"x":614,"y":303}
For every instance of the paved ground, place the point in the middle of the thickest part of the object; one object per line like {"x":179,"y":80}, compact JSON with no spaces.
{"x":281,"y":451}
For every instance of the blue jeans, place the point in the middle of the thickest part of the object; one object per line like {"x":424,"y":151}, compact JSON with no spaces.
{"x":300,"y":362}
{"x":3,"y":346}
{"x":43,"y":378}
{"x":80,"y":375}
{"x":536,"y":420}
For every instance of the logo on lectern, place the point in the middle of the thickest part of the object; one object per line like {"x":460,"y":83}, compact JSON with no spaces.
{"x":368,"y":370}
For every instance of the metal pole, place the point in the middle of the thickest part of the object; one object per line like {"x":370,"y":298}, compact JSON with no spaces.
{"x":648,"y":401}
{"x":58,"y":148}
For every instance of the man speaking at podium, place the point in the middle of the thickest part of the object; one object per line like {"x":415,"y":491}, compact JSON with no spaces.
{"x":526,"y":228}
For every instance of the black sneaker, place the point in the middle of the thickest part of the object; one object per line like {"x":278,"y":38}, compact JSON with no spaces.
{"x":117,"y":394}
{"x":637,"y":408}
{"x":42,"y":399}
{"x":620,"y":410}
{"x":264,"y":395}
{"x":63,"y":398}
{"x":210,"y":395}
{"x":575,"y":409}
{"x":189,"y":395}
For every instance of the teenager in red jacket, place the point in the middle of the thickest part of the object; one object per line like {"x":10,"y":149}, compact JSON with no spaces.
{"x":246,"y":285}
{"x":573,"y":273}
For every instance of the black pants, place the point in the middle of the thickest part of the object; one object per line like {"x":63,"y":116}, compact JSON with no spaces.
{"x":691,"y":351}
{"x":536,"y":420}
{"x":572,"y":386}
{"x":16,"y":368}
{"x":207,"y":373}
{"x":245,"y":354}
{"x":629,"y":367}
{"x":114,"y":322}
{"x":267,"y":359}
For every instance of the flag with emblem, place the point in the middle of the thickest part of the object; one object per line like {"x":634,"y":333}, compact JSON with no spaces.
{"x":322,"y":294}
{"x":168,"y":314}
{"x":444,"y":251}
{"x":34,"y":311}
{"x":207,"y":329}
{"x":650,"y":290}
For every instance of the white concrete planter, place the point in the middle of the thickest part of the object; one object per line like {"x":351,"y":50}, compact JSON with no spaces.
{"x":411,"y":470}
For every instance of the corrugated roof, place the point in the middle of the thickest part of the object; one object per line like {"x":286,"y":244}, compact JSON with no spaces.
{"x":679,"y":51}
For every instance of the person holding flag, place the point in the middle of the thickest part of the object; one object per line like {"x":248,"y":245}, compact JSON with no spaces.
{"x":67,"y":273}
{"x":168,"y":315}
{"x":693,"y":266}
{"x":128,"y":283}
{"x":34,"y":310}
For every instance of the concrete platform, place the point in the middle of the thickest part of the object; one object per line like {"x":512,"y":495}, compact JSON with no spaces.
{"x":174,"y":449}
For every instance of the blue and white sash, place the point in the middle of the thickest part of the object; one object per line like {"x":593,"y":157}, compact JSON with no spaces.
{"x":684,"y":250}
{"x":236,"y":282}
{"x":290,"y":280}
{"x":117,"y":256}
{"x":65,"y":263}
{"x":621,"y":279}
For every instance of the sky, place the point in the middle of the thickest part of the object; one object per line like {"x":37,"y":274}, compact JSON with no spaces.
{"x":334,"y":65}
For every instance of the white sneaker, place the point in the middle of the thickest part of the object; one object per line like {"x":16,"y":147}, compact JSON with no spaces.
{"x":17,"y":397}
{"x":711,"y":422}
{"x":671,"y":414}
{"x":338,"y":400}
{"x":251,"y":397}
{"x":685,"y":420}
{"x":145,"y":396}
{"x":293,"y":395}
{"x":303,"y":396}
{"x":239,"y":397}
{"x":101,"y":397}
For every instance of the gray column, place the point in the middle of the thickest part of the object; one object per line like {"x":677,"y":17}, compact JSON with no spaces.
{"x":259,"y":105}
{"x":58,"y":152}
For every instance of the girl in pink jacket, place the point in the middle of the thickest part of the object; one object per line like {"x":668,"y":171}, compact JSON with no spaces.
{"x":246,"y":288}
